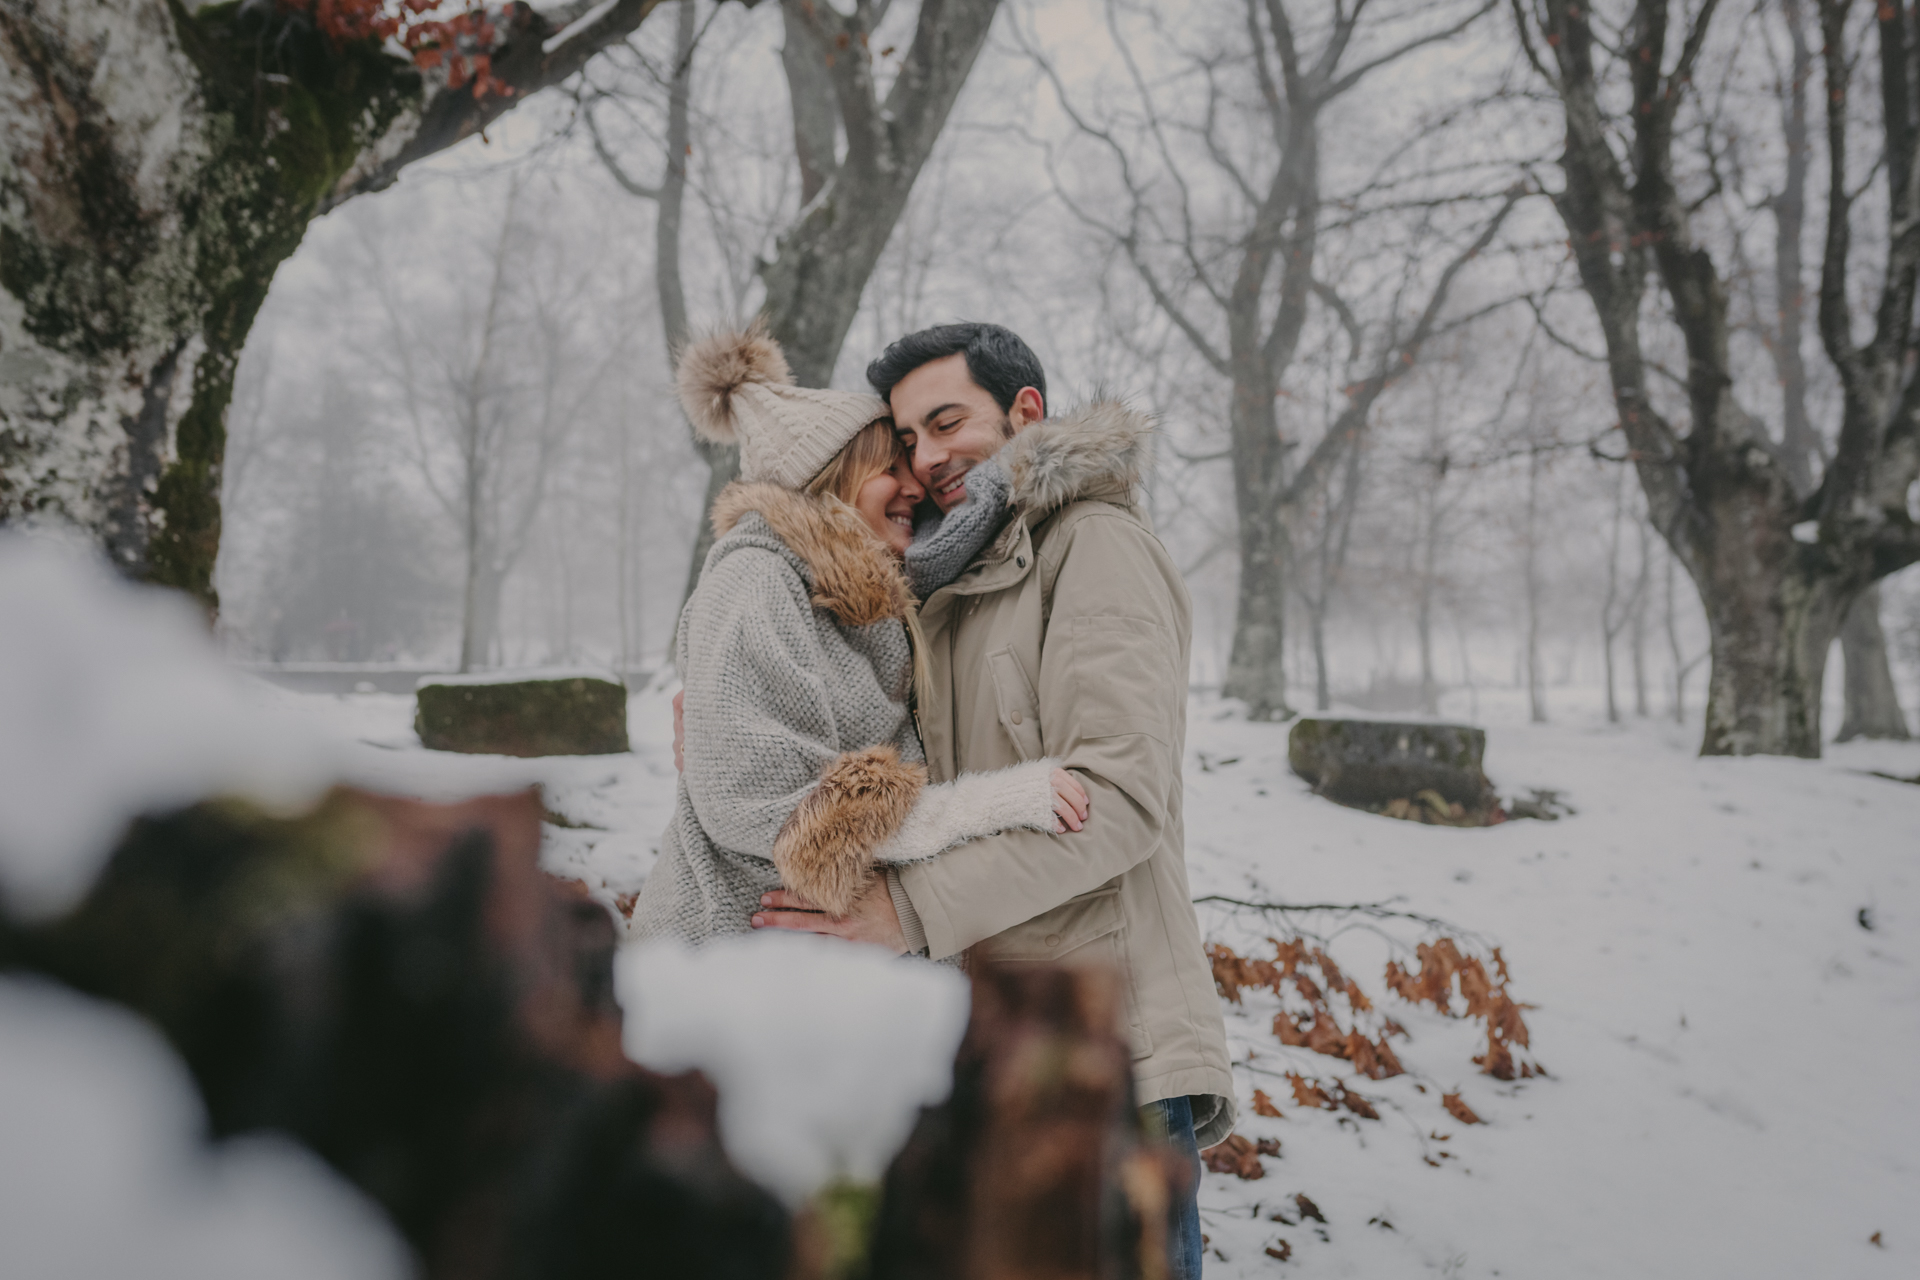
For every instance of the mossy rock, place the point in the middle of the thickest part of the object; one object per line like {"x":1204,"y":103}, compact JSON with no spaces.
{"x":1371,"y":763}
{"x":562,"y":715}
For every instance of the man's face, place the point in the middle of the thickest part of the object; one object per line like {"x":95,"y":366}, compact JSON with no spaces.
{"x":949,"y":424}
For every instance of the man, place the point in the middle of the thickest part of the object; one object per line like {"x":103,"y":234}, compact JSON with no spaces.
{"x":1067,"y":636}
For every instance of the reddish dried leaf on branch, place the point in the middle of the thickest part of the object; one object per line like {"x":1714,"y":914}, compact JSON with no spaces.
{"x":1459,"y":1110}
{"x":1318,"y":1027}
{"x":1263,"y":1105}
{"x":1444,"y":973}
{"x":455,"y":34}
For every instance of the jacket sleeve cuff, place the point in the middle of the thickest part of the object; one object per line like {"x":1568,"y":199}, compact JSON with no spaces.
{"x":825,"y":849}
{"x":971,"y":806}
{"x":910,"y":926}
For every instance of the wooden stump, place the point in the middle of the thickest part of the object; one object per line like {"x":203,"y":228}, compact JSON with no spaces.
{"x":556,"y":715}
{"x":1372,"y":763}
{"x":1037,"y":1166}
{"x":398,"y":986}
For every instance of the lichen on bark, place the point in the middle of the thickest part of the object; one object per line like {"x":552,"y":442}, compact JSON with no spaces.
{"x":143,"y":212}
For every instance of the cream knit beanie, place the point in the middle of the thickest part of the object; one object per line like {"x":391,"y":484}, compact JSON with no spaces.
{"x":736,"y":389}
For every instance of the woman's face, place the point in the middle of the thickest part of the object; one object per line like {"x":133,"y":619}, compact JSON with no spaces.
{"x":887,"y":501}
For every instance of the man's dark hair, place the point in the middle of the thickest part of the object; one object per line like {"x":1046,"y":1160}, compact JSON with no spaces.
{"x":999,"y":362}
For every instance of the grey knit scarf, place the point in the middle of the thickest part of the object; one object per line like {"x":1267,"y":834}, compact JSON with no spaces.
{"x":944,"y":545}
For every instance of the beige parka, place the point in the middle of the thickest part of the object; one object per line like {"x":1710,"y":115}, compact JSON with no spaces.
{"x":1068,"y":638}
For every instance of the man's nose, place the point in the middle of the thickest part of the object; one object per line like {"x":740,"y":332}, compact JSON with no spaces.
{"x":926,"y":460}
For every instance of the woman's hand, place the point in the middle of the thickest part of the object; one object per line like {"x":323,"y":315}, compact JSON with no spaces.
{"x":1069,"y":802}
{"x":872,"y":920}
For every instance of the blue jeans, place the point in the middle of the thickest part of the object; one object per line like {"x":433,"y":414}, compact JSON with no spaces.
{"x":1175,"y":1116}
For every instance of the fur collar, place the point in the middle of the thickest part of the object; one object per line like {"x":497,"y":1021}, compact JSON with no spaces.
{"x":1097,"y":452}
{"x":855,"y":577}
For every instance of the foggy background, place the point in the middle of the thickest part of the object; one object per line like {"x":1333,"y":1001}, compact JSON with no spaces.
{"x":486,"y":338}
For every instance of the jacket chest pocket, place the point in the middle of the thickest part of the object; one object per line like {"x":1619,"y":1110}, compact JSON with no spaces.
{"x":1087,"y":930}
{"x":1016,"y":703}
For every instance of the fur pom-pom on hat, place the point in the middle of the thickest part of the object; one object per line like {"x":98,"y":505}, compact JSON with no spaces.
{"x":737,"y":389}
{"x":714,"y":369}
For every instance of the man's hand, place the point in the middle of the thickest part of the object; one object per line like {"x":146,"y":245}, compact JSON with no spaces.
{"x":872,"y":919}
{"x":680,"y":731}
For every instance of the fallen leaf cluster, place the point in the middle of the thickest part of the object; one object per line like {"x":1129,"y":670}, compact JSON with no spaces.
{"x":1240,"y":1156}
{"x":1458,"y":985}
{"x":1317,"y":1028}
{"x":1311,"y":1093}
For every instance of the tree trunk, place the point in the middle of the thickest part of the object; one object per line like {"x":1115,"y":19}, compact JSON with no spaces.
{"x":1872,"y":703}
{"x":1771,"y":626}
{"x":1256,"y":670}
{"x":1322,"y":688}
{"x":1423,"y":614}
{"x":1536,"y":686}
{"x":155,"y":199}
{"x":822,"y":263}
{"x":1639,"y":633}
{"x":160,"y":165}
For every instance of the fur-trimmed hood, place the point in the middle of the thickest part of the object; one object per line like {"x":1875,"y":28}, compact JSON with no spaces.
{"x":852,"y":574}
{"x":1098,"y":452}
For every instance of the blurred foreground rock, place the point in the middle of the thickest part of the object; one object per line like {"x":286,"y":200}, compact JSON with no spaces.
{"x":1037,"y":1166}
{"x":553,"y":715}
{"x":1427,"y":772}
{"x":397,"y":986}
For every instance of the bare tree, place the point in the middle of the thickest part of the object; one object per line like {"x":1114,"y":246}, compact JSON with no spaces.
{"x":490,"y":399}
{"x":1871,"y":707}
{"x":1776,"y":571}
{"x":1871,"y":701}
{"x":1619,"y":610}
{"x":1242,"y":295}
{"x":859,"y":149}
{"x":1328,"y":543}
{"x":1532,"y":590}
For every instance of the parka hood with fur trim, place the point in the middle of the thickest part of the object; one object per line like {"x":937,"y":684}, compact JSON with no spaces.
{"x":1097,"y":452}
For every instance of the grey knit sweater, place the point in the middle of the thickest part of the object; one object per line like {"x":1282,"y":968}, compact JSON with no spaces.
{"x":802,"y":764}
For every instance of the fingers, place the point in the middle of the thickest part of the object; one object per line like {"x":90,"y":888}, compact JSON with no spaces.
{"x":1068,"y":819}
{"x":786,"y":900}
{"x":799,"y":922}
{"x":1070,"y":800}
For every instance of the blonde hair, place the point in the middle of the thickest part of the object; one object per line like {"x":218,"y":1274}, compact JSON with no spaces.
{"x":871,"y":452}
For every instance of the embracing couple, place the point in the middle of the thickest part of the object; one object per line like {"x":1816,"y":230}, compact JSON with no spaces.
{"x":935,"y":691}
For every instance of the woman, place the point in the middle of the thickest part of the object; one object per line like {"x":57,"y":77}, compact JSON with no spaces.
{"x":802,"y":768}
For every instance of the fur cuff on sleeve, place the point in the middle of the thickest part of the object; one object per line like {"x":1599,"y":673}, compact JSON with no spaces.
{"x":974,"y":805}
{"x":825,"y":849}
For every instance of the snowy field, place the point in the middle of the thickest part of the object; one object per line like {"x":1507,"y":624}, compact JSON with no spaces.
{"x":1734,"y":1055}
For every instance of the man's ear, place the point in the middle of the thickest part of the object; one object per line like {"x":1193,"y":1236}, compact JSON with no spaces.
{"x":1027,"y":409}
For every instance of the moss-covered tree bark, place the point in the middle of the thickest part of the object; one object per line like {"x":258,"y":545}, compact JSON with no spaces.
{"x":160,"y":160}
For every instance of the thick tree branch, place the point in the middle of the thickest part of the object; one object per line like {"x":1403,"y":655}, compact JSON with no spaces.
{"x":529,"y":54}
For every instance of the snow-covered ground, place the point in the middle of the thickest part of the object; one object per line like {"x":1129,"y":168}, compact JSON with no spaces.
{"x":1734,"y":1054}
